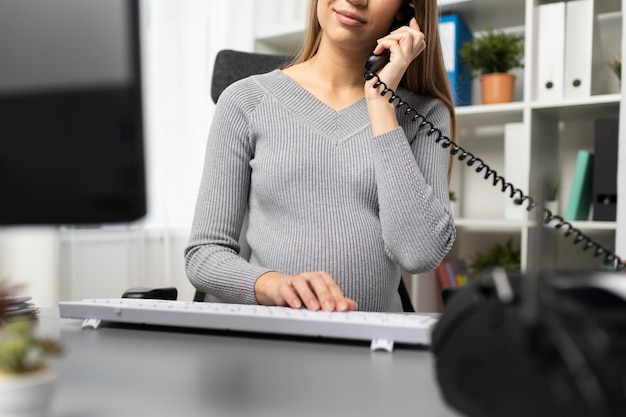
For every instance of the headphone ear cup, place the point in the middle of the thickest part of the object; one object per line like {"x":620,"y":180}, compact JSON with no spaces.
{"x":579,"y":370}
{"x":492,"y":361}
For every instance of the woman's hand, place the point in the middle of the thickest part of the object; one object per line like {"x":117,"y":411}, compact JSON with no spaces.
{"x":314,"y":290}
{"x":404,"y":44}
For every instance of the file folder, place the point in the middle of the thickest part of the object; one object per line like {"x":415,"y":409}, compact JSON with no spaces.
{"x":550,"y":51}
{"x":453,"y":33}
{"x":580,"y":58}
{"x":605,"y":169}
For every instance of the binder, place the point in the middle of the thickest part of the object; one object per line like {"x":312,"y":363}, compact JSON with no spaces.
{"x":448,"y":271}
{"x":454,"y":268}
{"x":579,"y":204}
{"x":580,"y":55}
{"x":516,"y":166}
{"x":605,"y":170}
{"x":454,"y":33}
{"x":550,"y":51}
{"x":442,"y":276}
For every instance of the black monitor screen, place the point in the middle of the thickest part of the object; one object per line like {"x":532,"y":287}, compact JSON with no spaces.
{"x":71,"y":134}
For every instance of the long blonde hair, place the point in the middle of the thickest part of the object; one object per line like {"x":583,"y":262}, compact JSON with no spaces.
{"x":425,"y":75}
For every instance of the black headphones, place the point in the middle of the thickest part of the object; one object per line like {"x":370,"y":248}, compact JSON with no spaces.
{"x":569,"y":360}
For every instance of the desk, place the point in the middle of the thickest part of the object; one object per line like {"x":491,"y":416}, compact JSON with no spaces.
{"x":119,"y":372}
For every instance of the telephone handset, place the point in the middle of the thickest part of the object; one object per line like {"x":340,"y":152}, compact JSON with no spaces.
{"x":375,"y":62}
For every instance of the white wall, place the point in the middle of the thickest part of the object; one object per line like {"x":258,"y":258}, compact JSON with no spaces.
{"x":104,"y":263}
{"x":29,"y":256}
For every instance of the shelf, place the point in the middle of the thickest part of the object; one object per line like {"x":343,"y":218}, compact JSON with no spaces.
{"x":489,"y":225}
{"x":501,"y":226}
{"x":606,"y":105}
{"x":608,"y":6}
{"x":490,"y":114}
{"x":485,"y":14}
{"x":591,"y":226}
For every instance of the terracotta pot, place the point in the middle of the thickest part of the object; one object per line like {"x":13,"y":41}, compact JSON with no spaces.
{"x":497,"y":88}
{"x":26,"y":395}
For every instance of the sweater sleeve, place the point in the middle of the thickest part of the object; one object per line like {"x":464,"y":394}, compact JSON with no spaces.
{"x":212,"y":260}
{"x":412,"y":182}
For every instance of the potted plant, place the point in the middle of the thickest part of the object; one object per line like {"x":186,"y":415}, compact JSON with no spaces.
{"x":26,"y":379}
{"x":491,"y":56}
{"x":552,"y":195}
{"x":503,"y":255}
{"x":616,"y":66}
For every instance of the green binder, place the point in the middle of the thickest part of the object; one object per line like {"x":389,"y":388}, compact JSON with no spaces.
{"x":580,"y":197}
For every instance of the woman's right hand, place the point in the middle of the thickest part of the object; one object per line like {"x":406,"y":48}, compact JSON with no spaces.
{"x":313,"y":290}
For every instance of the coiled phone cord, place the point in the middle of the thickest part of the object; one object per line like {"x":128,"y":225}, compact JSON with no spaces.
{"x":517,"y":195}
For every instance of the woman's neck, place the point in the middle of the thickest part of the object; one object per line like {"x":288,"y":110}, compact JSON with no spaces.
{"x":337,"y":67}
{"x":333,"y":75}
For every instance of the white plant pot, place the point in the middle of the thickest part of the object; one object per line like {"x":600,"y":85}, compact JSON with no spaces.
{"x":27,"y":395}
{"x":553,"y":206}
{"x":454,"y":208}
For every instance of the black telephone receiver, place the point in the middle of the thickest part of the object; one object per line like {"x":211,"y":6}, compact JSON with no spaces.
{"x":375,"y":62}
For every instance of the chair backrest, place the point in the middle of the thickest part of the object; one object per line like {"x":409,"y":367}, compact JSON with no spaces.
{"x":231,"y":66}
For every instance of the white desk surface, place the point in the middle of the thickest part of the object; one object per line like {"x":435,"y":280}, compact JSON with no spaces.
{"x":119,"y":372}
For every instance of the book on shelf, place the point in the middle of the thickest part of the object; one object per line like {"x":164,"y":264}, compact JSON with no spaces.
{"x":450,"y":273}
{"x":580,"y":198}
{"x":605,"y":169}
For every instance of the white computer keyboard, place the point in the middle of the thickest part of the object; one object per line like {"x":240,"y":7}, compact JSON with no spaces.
{"x":381,"y":329}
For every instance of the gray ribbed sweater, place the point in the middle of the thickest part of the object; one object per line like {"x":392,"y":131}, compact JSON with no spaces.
{"x":321,"y":192}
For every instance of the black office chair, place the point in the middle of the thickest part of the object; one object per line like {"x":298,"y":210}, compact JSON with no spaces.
{"x":231,"y":66}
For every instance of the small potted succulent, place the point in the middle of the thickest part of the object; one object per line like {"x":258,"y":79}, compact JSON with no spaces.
{"x":26,"y":378}
{"x":492,"y":56}
{"x":552,"y":198}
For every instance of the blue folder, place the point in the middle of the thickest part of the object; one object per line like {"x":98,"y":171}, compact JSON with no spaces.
{"x":454,"y":32}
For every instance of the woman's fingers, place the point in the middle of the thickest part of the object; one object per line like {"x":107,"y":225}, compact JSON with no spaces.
{"x":410,"y":40}
{"x":287,"y":295}
{"x":317,"y":290}
{"x":303,"y":285}
{"x":313,"y":290}
{"x":404,"y":44}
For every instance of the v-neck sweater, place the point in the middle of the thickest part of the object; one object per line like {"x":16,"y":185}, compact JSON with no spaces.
{"x":321,"y":194}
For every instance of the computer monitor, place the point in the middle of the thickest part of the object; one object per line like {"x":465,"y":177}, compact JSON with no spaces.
{"x":71,"y":124}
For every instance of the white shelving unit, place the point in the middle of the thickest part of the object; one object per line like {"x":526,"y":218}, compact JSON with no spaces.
{"x":556,"y":130}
